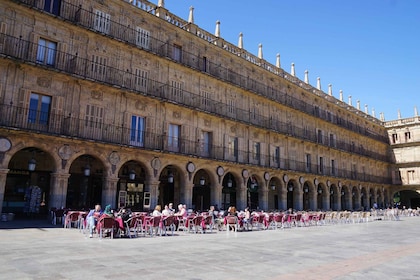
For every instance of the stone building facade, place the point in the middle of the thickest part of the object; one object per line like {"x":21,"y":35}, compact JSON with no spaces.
{"x":124,"y":103}
{"x":404,"y":137}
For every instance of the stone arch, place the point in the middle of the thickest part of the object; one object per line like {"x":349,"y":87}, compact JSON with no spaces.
{"x":86,"y":188}
{"x":27,"y":185}
{"x":132,"y":187}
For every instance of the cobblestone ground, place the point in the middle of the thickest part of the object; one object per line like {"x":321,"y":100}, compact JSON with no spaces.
{"x":371,"y":250}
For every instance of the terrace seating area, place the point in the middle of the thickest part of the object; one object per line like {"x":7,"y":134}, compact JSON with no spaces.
{"x":143,"y":224}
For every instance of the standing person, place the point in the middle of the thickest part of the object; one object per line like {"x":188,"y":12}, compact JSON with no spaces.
{"x":92,"y":218}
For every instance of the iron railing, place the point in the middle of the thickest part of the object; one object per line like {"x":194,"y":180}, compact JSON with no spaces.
{"x":86,"y":18}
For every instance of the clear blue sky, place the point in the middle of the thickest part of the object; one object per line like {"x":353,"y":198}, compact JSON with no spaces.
{"x":370,"y":49}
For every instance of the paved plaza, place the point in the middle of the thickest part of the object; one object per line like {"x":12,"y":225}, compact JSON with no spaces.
{"x":374,"y":250}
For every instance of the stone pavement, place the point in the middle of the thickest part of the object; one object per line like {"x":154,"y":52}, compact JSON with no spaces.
{"x":373,"y":250}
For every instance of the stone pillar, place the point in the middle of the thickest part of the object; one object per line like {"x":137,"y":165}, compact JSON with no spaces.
{"x":263,"y":202}
{"x":109,"y":191}
{"x":58,"y":190}
{"x":242,"y":197}
{"x":3,"y":177}
{"x":216,"y":195}
{"x":186,"y":194}
{"x":283,"y":197}
{"x":339,"y":206}
{"x":152,"y":186}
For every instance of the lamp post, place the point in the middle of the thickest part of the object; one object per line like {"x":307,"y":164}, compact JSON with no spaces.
{"x":31,"y":168}
{"x":86,"y":170}
{"x":132,"y":175}
{"x":170,"y":178}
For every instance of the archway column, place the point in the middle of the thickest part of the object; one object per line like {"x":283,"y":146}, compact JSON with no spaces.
{"x":242,"y":199}
{"x":283,"y":197}
{"x":263,"y":202}
{"x":216,"y":194}
{"x":186,"y":194}
{"x":152,"y":186}
{"x":109,"y":191}
{"x":58,"y":192}
{"x":3,"y":177}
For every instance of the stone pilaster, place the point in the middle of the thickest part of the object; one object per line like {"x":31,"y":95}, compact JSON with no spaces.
{"x":109,"y":191}
{"x":58,"y":190}
{"x":3,"y":177}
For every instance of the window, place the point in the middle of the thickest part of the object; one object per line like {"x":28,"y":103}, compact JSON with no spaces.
{"x":174,"y":137}
{"x":333,"y":167}
{"x":276,"y":156}
{"x":102,"y":22}
{"x":141,"y":78}
{"x":316,"y":111}
{"x":319,"y":136}
{"x":329,"y":117}
{"x":306,"y":132}
{"x":137,"y":131}
{"x":308,"y":163}
{"x":142,"y":38}
{"x":254,"y":113}
{"x":205,"y":99}
{"x":407,"y":136}
{"x":46,"y":52}
{"x":394,"y":138}
{"x":353,"y":171}
{"x":39,"y":109}
{"x":231,"y":107}
{"x":410,"y":176}
{"x":233,"y":146}
{"x":332,"y":140}
{"x":256,"y":150}
{"x":98,"y":66}
{"x":176,"y":91}
{"x":206,"y":142}
{"x":177,"y":55}
{"x":321,"y":165}
{"x":52,"y":6}
{"x":94,"y":116}
{"x":204,"y":64}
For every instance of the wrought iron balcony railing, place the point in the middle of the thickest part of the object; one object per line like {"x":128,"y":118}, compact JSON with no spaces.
{"x":62,"y":125}
{"x":86,"y":18}
{"x":26,"y":51}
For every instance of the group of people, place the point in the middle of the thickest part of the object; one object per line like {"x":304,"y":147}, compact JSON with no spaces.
{"x":95,"y":214}
{"x":169,"y":210}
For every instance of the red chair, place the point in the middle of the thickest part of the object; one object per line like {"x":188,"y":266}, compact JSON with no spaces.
{"x":278,"y":220}
{"x":133,"y":226}
{"x":106,"y":225}
{"x":208,"y":223}
{"x":168,"y":223}
{"x":72,"y":218}
{"x":231,"y":223}
{"x":152,"y":225}
{"x":57,"y":216}
{"x":195,"y":224}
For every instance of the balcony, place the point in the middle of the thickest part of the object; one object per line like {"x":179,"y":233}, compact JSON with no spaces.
{"x":117,"y":31}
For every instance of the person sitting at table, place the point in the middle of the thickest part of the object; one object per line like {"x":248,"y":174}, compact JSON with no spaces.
{"x":247,"y":219}
{"x":124,"y":213}
{"x":182,"y":211}
{"x":108,"y":211}
{"x":166,"y":211}
{"x":92,"y":218}
{"x":232,"y":211}
{"x":157,"y":212}
{"x":171,"y":208}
